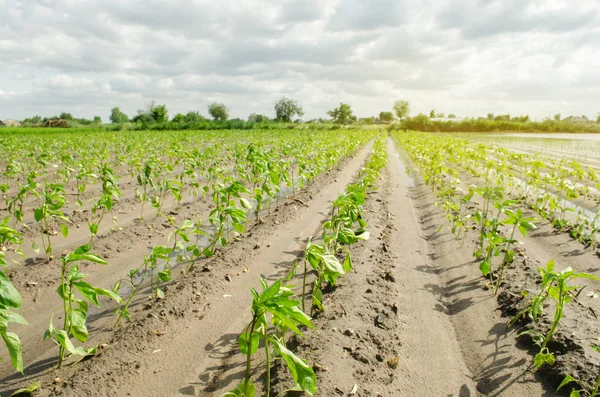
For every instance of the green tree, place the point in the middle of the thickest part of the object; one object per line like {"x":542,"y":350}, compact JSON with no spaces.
{"x":451,"y":116}
{"x":66,"y":116}
{"x":557,"y":117}
{"x":341,"y":114}
{"x":218,"y":111}
{"x":401,"y":109}
{"x":33,"y":120}
{"x":117,"y":117}
{"x":257,"y":118}
{"x":432,"y":113}
{"x":490,"y":116}
{"x":97,"y":120}
{"x":286,"y":108}
{"x":159,"y":113}
{"x":179,"y":118}
{"x":194,"y":117}
{"x":598,"y":118}
{"x":386,"y":117}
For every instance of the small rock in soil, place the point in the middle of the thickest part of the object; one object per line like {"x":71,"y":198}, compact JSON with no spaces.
{"x":349,"y":332}
{"x":395,"y":308}
{"x":319,"y":368}
{"x":369,"y":291}
{"x":380,"y":319}
{"x":393,"y":362}
{"x":379,"y":357}
{"x":228,"y":277}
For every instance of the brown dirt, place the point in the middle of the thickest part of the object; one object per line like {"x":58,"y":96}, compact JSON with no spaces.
{"x":196,"y":318}
{"x":413,"y":318}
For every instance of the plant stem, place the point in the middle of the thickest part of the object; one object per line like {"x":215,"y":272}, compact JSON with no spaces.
{"x":61,"y":351}
{"x":131,"y":295}
{"x":557,"y":316}
{"x":249,"y":354}
{"x":512,"y":235}
{"x":304,"y":287}
{"x":268,"y":365}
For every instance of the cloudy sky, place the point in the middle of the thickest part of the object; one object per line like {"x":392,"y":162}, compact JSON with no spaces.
{"x":469,"y":57}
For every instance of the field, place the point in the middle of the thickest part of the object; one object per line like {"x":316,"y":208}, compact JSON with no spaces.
{"x":347,"y":262}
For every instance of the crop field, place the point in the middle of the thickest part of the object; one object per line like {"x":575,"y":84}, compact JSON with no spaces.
{"x":348,"y":262}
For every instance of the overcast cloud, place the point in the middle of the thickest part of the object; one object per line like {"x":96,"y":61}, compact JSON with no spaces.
{"x":468,"y":57}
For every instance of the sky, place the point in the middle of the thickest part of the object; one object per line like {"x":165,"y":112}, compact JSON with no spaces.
{"x":467,"y":57}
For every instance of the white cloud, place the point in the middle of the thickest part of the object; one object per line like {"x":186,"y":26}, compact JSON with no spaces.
{"x":468,"y":57}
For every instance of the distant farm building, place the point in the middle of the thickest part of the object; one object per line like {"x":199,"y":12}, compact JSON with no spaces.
{"x":57,"y":123}
{"x":579,"y":119}
{"x":10,"y":123}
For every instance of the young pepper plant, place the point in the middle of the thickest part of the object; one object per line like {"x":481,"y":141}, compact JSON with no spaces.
{"x":110,"y":192}
{"x":555,"y":285}
{"x":328,"y":269}
{"x":53,"y":200}
{"x":518,"y":221}
{"x":275,"y":301}
{"x":10,"y":300}
{"x":75,"y":310}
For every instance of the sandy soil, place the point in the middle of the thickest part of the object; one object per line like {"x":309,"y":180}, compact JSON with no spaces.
{"x":413,"y":318}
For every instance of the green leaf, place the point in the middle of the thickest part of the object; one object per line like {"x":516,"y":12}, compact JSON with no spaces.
{"x":82,"y":249}
{"x":13,"y":344}
{"x":7,"y":316}
{"x":245,"y":204}
{"x":566,"y":380}
{"x":485,"y":267}
{"x":88,"y":292}
{"x":38,"y":214}
{"x":317,"y":297}
{"x":26,"y":391}
{"x":164,"y":275}
{"x":292,"y":272}
{"x":302,"y":373}
{"x":77,"y":318}
{"x":35,"y":247}
{"x":161,"y":251}
{"x":64,"y":230}
{"x":239,"y":227}
{"x":244,"y":341}
{"x":9,"y":296}
{"x":63,"y":339}
{"x":239,"y":391}
{"x":332,"y":264}
{"x":86,"y":257}
{"x":348,"y":262}
{"x":106,"y":292}
{"x":543,"y":358}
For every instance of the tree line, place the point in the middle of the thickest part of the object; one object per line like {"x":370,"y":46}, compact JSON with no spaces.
{"x":156,"y":116}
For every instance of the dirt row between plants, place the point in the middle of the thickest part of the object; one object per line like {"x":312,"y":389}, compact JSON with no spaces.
{"x":177,"y":343}
{"x":413,"y":317}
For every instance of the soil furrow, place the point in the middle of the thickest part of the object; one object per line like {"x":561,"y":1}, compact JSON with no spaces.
{"x":178,"y":346}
